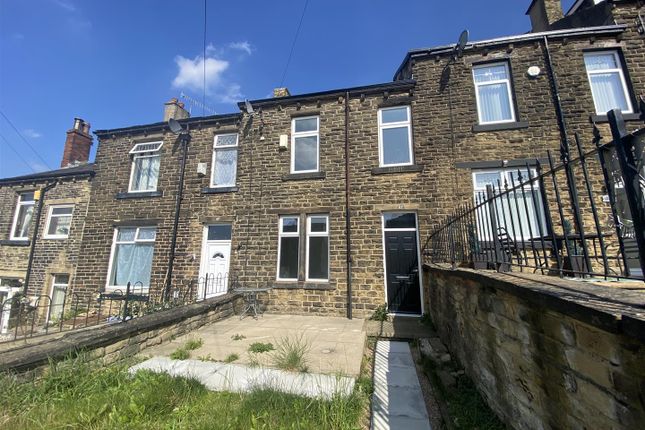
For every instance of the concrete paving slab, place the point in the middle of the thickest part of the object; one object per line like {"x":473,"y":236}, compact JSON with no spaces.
{"x":243,"y":379}
{"x":398,"y":401}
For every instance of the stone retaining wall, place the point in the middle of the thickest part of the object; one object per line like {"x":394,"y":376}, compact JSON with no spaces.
{"x":111,"y":343}
{"x":558,"y":355}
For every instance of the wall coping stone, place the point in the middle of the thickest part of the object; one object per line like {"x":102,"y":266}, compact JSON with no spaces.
{"x":612,"y":309}
{"x":35,"y":355}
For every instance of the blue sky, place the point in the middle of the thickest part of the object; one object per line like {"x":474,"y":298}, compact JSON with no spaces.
{"x":114,"y":63}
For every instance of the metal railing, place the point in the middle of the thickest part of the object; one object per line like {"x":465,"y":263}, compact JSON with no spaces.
{"x":24,"y":317}
{"x":584,"y":216}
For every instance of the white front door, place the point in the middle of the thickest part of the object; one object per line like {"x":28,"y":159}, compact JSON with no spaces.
{"x":216,"y":255}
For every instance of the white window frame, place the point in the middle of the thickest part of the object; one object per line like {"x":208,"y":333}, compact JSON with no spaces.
{"x":311,"y":234}
{"x":140,"y":150}
{"x":108,"y":286}
{"x":225,"y":147}
{"x":51,"y":292}
{"x":509,"y":91}
{"x":50,"y":215}
{"x":19,"y":204}
{"x":295,"y":135}
{"x":382,"y":126}
{"x":282,"y":234}
{"x":621,"y":74}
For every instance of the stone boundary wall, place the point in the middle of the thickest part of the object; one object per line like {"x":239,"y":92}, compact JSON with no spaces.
{"x":111,"y":343}
{"x":553,"y":354}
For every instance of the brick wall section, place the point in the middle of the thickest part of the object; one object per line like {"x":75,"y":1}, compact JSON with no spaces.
{"x":541,"y":358}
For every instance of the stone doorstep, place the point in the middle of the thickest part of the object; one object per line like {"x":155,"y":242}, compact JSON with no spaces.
{"x":243,"y":379}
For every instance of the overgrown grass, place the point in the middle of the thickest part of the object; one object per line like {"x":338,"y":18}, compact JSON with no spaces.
{"x":77,"y":395}
{"x":260,"y":347}
{"x":466,"y":407}
{"x":231,"y":358}
{"x":183,"y":353}
{"x":291,"y":354}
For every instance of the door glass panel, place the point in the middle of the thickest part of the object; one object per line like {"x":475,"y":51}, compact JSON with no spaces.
{"x":219,"y":232}
{"x":400,"y":220}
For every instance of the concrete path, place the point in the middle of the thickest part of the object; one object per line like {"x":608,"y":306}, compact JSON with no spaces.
{"x":398,"y":401}
{"x":243,"y":379}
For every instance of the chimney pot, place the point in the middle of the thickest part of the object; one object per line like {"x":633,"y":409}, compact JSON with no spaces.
{"x":77,"y":144}
{"x":174,"y":109}
{"x":543,"y":13}
{"x":281,"y":92}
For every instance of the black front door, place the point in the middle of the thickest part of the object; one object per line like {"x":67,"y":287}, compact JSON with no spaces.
{"x":402,"y":272}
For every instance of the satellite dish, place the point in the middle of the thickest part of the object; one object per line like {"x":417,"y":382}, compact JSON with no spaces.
{"x":463,"y":40}
{"x":175,"y":127}
{"x":249,"y":108}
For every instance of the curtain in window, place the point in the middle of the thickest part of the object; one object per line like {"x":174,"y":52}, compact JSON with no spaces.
{"x":608,"y":92}
{"x":511,"y":214}
{"x":133,"y":264}
{"x":494,"y":104}
{"x":146,"y":172}
{"x":24,"y":221}
{"x":225,"y":167}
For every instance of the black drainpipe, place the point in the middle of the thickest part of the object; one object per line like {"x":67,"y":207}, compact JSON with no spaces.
{"x":347,"y":212}
{"x":556,"y":94}
{"x":32,"y":248}
{"x":184,"y":139}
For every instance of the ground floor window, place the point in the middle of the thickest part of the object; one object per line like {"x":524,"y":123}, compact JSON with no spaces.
{"x":317,"y":248}
{"x":313,"y":255}
{"x":131,"y":260}
{"x":289,"y":248}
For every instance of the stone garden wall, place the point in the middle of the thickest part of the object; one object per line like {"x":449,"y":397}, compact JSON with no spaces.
{"x":552,"y":354}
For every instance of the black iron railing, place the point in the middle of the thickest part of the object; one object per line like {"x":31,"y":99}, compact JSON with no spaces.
{"x":23,"y":316}
{"x":584,"y":216}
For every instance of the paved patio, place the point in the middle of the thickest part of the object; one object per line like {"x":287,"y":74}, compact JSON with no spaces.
{"x":335,"y":344}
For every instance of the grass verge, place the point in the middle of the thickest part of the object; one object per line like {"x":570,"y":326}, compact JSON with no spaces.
{"x":77,"y":395}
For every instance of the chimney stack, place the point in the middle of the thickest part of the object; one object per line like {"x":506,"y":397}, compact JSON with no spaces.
{"x":174,"y":109}
{"x":77,"y":144}
{"x":281,"y":92}
{"x":543,"y":13}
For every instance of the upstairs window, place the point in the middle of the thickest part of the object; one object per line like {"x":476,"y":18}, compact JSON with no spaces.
{"x":493,"y":93}
{"x":395,"y":136}
{"x":145,"y":167}
{"x":59,"y":220}
{"x":288,"y":248}
{"x":305,"y":142}
{"x":608,"y":85}
{"x":22,"y":218}
{"x":131,"y":261}
{"x":224,"y":160}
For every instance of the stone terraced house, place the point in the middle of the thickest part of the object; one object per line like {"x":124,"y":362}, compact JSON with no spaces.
{"x":329,"y":196}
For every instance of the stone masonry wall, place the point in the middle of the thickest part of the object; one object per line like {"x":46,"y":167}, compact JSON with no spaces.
{"x":545,"y":357}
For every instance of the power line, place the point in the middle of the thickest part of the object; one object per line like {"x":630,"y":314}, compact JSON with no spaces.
{"x":204,"y":89}
{"x":17,"y":153}
{"x":25,"y":140}
{"x":293,"y":44}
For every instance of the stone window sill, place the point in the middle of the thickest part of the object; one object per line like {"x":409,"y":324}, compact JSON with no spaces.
{"x":219,"y":190}
{"x":14,"y":242}
{"x":305,"y":285}
{"x":124,"y":196}
{"x":304,"y":176}
{"x":501,"y":126}
{"x":413,"y":168}
{"x":626,"y":117}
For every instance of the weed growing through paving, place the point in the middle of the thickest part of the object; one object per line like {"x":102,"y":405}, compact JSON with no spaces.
{"x":183,"y":353}
{"x":237,"y":336}
{"x":380,"y":313}
{"x":193,"y":344}
{"x":260,"y":347}
{"x":75,"y":394}
{"x":231,"y":358}
{"x":291,"y":354}
{"x":206,"y":358}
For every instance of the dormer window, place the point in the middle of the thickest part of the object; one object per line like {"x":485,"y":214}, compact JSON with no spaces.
{"x":145,"y":167}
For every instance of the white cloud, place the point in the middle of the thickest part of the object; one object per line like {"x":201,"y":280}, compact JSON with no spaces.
{"x":65,"y":4}
{"x":241,"y":46}
{"x":190,"y":76}
{"x":31,"y":133}
{"x":38,"y":166}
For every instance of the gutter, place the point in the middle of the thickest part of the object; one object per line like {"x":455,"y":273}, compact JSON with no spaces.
{"x":348,"y":228}
{"x":32,"y":248}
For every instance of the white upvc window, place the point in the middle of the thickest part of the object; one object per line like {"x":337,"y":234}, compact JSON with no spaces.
{"x":520,"y":213}
{"x":21,"y":225}
{"x":305,"y":144}
{"x":59,"y":220}
{"x":224,"y":165}
{"x":60,"y":282}
{"x":131,"y":257}
{"x":288,"y":248}
{"x":494,"y":93}
{"x":317,"y":248}
{"x":607,"y":81}
{"x":145,"y":167}
{"x":394,"y":136}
